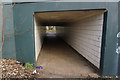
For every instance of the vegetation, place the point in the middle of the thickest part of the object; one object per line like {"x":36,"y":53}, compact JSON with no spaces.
{"x":51,"y":31}
{"x":28,"y":65}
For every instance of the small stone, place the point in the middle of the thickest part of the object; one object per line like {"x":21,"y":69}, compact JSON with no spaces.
{"x":12,"y":70}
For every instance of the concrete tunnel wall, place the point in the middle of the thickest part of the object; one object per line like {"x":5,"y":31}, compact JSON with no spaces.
{"x":22,"y":36}
{"x":39,"y":32}
{"x":85,"y":37}
{"x":83,"y":30}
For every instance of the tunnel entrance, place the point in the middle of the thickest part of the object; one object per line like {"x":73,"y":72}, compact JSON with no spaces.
{"x":75,"y":41}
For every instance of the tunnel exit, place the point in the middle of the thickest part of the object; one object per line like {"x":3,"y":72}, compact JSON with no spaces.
{"x":69,"y":39}
{"x":50,"y":30}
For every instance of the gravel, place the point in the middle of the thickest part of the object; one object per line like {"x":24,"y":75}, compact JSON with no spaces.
{"x":11,"y":69}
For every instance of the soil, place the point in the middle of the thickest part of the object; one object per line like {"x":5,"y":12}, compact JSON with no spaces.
{"x":13,"y":69}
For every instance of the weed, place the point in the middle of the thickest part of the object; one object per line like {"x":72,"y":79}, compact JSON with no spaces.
{"x":28,"y":65}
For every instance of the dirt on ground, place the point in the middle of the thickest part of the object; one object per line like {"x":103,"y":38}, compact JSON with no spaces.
{"x":56,"y":60}
{"x":15,"y":69}
{"x":12,"y":69}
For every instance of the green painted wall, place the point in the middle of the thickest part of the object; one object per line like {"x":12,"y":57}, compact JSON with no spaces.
{"x":24,"y":37}
{"x":8,"y":50}
{"x":22,"y":40}
{"x":0,"y":32}
{"x":119,"y":38}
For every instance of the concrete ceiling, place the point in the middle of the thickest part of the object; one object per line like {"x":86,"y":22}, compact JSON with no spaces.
{"x":64,"y":17}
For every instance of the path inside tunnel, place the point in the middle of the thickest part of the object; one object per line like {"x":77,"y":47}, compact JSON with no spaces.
{"x":61,"y":61}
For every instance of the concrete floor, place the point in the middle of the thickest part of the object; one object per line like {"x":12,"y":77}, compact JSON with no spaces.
{"x":61,"y":61}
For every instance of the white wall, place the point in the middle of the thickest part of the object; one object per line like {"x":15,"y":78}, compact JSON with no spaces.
{"x":85,"y":37}
{"x":60,"y":30}
{"x":39,"y":33}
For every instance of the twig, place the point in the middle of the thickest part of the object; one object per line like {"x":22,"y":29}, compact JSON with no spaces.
{"x":8,"y":13}
{"x":3,"y":21}
{"x":2,"y":27}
